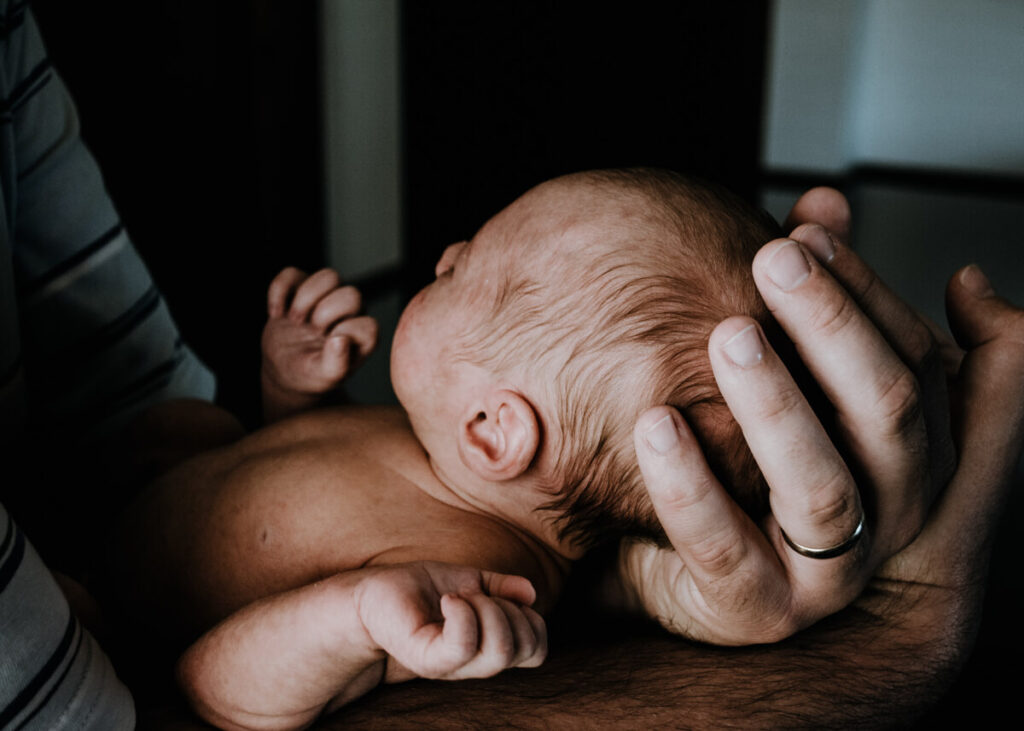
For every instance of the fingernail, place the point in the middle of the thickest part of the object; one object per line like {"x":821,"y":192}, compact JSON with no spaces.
{"x":663,"y":436}
{"x":820,"y":243}
{"x":788,"y":267}
{"x":744,"y":348}
{"x":975,"y":281}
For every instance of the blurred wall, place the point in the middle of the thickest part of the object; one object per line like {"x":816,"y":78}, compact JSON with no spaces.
{"x":920,"y":83}
{"x":916,"y":109}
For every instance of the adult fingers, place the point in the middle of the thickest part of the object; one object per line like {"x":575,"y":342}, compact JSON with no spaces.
{"x":726,"y":556}
{"x":280,"y":290}
{"x":990,"y":394}
{"x":907,"y":333}
{"x":825,"y":206}
{"x":875,"y":395}
{"x":991,"y":387}
{"x":337,"y":304}
{"x":814,"y":497}
{"x":310,"y":292}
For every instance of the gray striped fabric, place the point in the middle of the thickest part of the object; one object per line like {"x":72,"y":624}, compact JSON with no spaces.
{"x":85,"y":342}
{"x":92,"y":341}
{"x":53,"y":675}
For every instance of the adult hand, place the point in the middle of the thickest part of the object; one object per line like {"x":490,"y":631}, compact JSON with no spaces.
{"x":731,"y":582}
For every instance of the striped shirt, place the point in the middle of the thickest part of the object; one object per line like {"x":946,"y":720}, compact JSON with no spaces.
{"x":85,"y":342}
{"x":53,"y":675}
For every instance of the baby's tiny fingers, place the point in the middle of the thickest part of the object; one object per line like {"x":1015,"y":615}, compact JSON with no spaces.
{"x":531,"y":645}
{"x":310,"y":292}
{"x":362,"y":332}
{"x":335,"y":305}
{"x":507,"y":586}
{"x":497,"y":640}
{"x":280,"y":290}
{"x":460,"y":635}
{"x":335,"y":359}
{"x":540,"y":631}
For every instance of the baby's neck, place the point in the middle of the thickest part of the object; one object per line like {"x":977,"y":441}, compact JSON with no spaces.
{"x":517,"y":504}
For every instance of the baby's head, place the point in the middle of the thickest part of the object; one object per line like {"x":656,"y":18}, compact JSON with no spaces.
{"x":585,"y":302}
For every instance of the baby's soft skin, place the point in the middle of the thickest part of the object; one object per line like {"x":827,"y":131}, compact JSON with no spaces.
{"x":323,"y":548}
{"x":281,"y":661}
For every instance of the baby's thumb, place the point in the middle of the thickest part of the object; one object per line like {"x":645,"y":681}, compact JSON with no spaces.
{"x":513,"y":588}
{"x":334,"y":361}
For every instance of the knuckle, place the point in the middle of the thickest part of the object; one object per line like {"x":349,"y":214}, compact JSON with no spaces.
{"x":899,"y":404}
{"x":921,"y":350}
{"x":778,"y":405}
{"x":687,"y":495}
{"x":835,"y":316}
{"x":719,"y":553}
{"x":861,"y":282}
{"x":832,"y":500}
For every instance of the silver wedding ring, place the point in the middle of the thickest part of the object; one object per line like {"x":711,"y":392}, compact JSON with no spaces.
{"x":832,"y":552}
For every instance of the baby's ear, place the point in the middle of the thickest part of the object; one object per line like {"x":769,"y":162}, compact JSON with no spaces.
{"x":498,"y":438}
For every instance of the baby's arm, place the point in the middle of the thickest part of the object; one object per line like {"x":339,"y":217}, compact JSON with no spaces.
{"x":282,"y":661}
{"x":314,"y":337}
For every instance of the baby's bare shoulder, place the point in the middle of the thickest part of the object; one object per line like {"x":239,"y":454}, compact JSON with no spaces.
{"x":482,"y":542}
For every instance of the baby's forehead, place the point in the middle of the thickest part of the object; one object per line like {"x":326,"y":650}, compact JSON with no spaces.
{"x":560,"y":221}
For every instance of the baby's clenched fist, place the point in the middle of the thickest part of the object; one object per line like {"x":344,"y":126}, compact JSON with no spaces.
{"x":314,"y":337}
{"x":449,"y":622}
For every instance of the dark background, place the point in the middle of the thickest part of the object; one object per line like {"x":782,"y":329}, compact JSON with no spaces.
{"x":206,"y":121}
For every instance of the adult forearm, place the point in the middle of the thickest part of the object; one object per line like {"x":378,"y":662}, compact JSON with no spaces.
{"x":875,"y":665}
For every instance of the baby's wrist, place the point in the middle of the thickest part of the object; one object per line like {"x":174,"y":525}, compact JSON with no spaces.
{"x":280,"y":401}
{"x":342,"y":613}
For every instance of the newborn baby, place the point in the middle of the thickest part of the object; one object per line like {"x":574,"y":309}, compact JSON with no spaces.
{"x":340,"y":548}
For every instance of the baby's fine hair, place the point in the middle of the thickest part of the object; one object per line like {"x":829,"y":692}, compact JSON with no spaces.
{"x":625,"y":327}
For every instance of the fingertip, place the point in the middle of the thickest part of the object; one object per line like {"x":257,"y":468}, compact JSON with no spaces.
{"x":740,"y":340}
{"x":973,"y":280}
{"x":817,"y":240}
{"x":825,"y":206}
{"x":659,"y":431}
{"x":449,"y":602}
{"x":459,"y":633}
{"x":280,"y":288}
{"x":516,"y":588}
{"x":339,"y":344}
{"x":456,"y":610}
{"x":977,"y":313}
